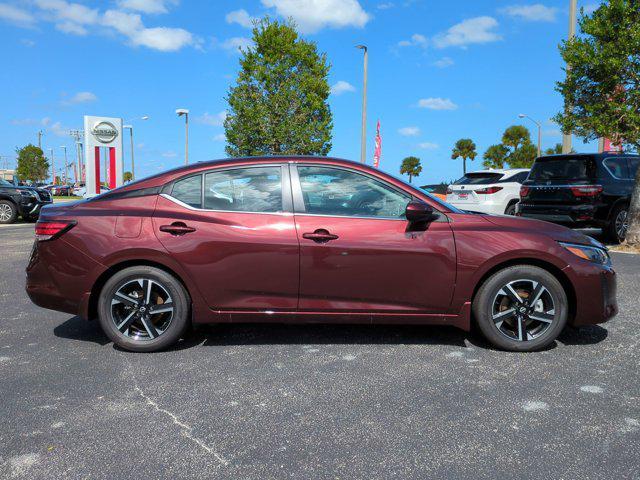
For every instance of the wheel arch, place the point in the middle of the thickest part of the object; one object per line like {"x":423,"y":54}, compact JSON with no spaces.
{"x":92,"y":307}
{"x":535,"y":262}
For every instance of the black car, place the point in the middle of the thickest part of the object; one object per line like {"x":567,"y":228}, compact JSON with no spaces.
{"x":23,"y":201}
{"x":581,"y":190}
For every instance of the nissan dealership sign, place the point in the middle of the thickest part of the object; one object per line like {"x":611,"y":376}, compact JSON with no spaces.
{"x":104,"y":132}
{"x":102,"y":153}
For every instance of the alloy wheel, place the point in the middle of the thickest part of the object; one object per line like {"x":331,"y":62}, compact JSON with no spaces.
{"x":622,"y":224}
{"x":5,"y":212}
{"x":142,"y":309}
{"x":523,"y":310}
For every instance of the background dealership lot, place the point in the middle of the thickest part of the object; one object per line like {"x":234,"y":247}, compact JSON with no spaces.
{"x":284,"y":401}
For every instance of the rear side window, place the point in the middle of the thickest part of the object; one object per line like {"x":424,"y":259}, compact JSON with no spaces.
{"x":517,"y":178}
{"x":189,"y":191}
{"x":633,"y":166}
{"x":567,"y":169}
{"x":617,"y":167}
{"x":480,"y":178}
{"x":257,"y":189}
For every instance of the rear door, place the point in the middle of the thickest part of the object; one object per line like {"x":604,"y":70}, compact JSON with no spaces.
{"x":233,"y":231}
{"x":357,"y":251}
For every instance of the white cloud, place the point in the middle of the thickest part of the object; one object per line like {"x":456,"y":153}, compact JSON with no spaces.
{"x":532,"y":13}
{"x":444,"y":62}
{"x":409,"y":131}
{"x":16,"y":15}
{"x":215,"y":120}
{"x":219,"y":137}
{"x":312,"y":16}
{"x":66,"y":14}
{"x":72,"y":28}
{"x":428,"y":146}
{"x":58,"y":129}
{"x":385,"y":5}
{"x":82,"y":97}
{"x":467,"y":32}
{"x":164,"y":39}
{"x":146,"y":6}
{"x":416,"y":40}
{"x":169,"y":154}
{"x":437,"y":103}
{"x":241,"y":17}
{"x":341,"y":87}
{"x":234,"y":44}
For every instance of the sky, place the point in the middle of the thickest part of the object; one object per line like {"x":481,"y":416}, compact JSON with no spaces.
{"x":438,"y":71}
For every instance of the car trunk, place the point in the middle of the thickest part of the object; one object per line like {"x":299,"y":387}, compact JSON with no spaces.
{"x":561,"y":180}
{"x":464,"y":190}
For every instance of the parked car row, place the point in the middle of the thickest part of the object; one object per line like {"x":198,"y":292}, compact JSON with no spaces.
{"x":576,"y":190}
{"x":21,"y":201}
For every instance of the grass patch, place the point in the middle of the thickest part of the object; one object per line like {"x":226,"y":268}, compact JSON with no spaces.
{"x":66,"y":197}
{"x":625,"y":248}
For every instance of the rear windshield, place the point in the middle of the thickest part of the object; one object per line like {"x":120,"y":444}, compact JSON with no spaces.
{"x":563,"y":168}
{"x":484,"y":178}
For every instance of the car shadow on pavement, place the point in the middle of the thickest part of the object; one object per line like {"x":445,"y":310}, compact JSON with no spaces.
{"x":238,"y":334}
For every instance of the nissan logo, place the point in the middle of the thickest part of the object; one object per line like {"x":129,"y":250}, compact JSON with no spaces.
{"x":104,"y":132}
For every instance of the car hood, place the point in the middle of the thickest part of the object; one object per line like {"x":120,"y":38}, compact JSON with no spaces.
{"x":556,"y":232}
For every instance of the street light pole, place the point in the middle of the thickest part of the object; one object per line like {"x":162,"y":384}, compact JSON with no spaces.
{"x":363,"y":134}
{"x":185,"y":112}
{"x":522,"y":115}
{"x":64,"y":148}
{"x":133,"y":165}
{"x":573,"y":7}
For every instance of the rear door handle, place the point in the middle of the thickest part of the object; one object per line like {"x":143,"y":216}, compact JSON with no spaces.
{"x":320,"y":236}
{"x":177,"y":228}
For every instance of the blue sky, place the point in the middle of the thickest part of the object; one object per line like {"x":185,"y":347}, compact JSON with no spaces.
{"x":438,"y":71}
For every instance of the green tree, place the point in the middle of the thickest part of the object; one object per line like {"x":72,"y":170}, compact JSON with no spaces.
{"x":127,"y":176}
{"x":411,"y":166}
{"x":602,"y":85}
{"x":464,"y":148}
{"x":279,"y":102}
{"x":495,"y":156}
{"x":32,"y":164}
{"x":555,"y":150}
{"x":517,"y":140}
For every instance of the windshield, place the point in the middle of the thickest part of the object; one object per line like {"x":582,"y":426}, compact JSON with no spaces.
{"x":480,"y":178}
{"x":563,"y":168}
{"x":4,"y":183}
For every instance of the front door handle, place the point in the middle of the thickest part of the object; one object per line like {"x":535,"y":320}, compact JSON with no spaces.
{"x":320,"y":236}
{"x":177,"y":228}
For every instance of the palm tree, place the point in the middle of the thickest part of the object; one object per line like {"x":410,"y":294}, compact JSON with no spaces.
{"x":464,"y":148}
{"x":411,"y":166}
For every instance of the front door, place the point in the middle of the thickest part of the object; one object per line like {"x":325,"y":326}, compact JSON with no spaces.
{"x":233,"y":231}
{"x":357,"y":251}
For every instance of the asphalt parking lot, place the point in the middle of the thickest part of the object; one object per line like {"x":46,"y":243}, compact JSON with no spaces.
{"x":283,"y":401}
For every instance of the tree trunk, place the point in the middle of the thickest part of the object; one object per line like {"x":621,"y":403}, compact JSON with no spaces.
{"x":464,"y":166}
{"x":633,"y":217}
{"x":410,"y":177}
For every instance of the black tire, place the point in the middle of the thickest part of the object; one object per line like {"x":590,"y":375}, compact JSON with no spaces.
{"x":497,"y":331}
{"x":145,"y":342}
{"x":8,"y":212}
{"x":511,"y":209}
{"x":617,"y":219}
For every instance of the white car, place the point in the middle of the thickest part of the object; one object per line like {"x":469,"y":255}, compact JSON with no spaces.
{"x":488,"y":191}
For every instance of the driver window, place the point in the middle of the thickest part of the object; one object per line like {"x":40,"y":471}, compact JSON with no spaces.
{"x":338,"y":192}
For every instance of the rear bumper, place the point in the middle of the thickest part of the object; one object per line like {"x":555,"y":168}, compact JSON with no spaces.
{"x":595,"y":290}
{"x":570,"y":215}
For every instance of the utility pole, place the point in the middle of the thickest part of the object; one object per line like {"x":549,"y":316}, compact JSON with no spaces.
{"x":573,"y":8}
{"x":66,"y":165}
{"x":363,"y":133}
{"x":40,"y":133}
{"x":53,"y":167}
{"x":76,"y":134}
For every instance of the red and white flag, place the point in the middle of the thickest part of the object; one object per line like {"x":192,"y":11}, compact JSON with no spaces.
{"x":378,"y":150}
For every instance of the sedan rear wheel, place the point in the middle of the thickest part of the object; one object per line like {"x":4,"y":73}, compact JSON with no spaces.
{"x":521,"y":308}
{"x":143,"y":309}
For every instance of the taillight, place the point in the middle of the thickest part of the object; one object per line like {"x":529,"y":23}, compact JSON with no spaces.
{"x":524,"y":191}
{"x":586,"y":190}
{"x":449,"y":191}
{"x":489,"y":190}
{"x":50,"y":230}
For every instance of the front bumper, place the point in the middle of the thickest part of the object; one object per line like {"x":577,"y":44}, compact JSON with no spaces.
{"x":595,"y":289}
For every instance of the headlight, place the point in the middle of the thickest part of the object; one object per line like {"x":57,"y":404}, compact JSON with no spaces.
{"x":26,"y":193}
{"x":593,"y":254}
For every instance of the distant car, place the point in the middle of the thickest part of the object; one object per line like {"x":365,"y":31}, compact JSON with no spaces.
{"x":488,"y":191}
{"x":82,"y":191}
{"x":581,"y":190}
{"x":59,"y":190}
{"x":436,"y":189}
{"x":21,"y":201}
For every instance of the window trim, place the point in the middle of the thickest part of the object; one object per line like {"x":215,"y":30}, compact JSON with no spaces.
{"x":606,"y":167}
{"x":299,"y":207}
{"x":285,"y":189}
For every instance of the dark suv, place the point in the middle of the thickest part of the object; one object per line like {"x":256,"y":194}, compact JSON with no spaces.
{"x":581,"y":190}
{"x":23,"y":201}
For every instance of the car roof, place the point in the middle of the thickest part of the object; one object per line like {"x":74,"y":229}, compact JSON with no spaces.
{"x":501,"y":170}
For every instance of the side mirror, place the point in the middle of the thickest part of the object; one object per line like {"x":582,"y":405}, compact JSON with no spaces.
{"x":418,"y":211}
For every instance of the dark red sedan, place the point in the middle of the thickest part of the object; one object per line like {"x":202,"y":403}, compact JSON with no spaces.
{"x":297,"y":239}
